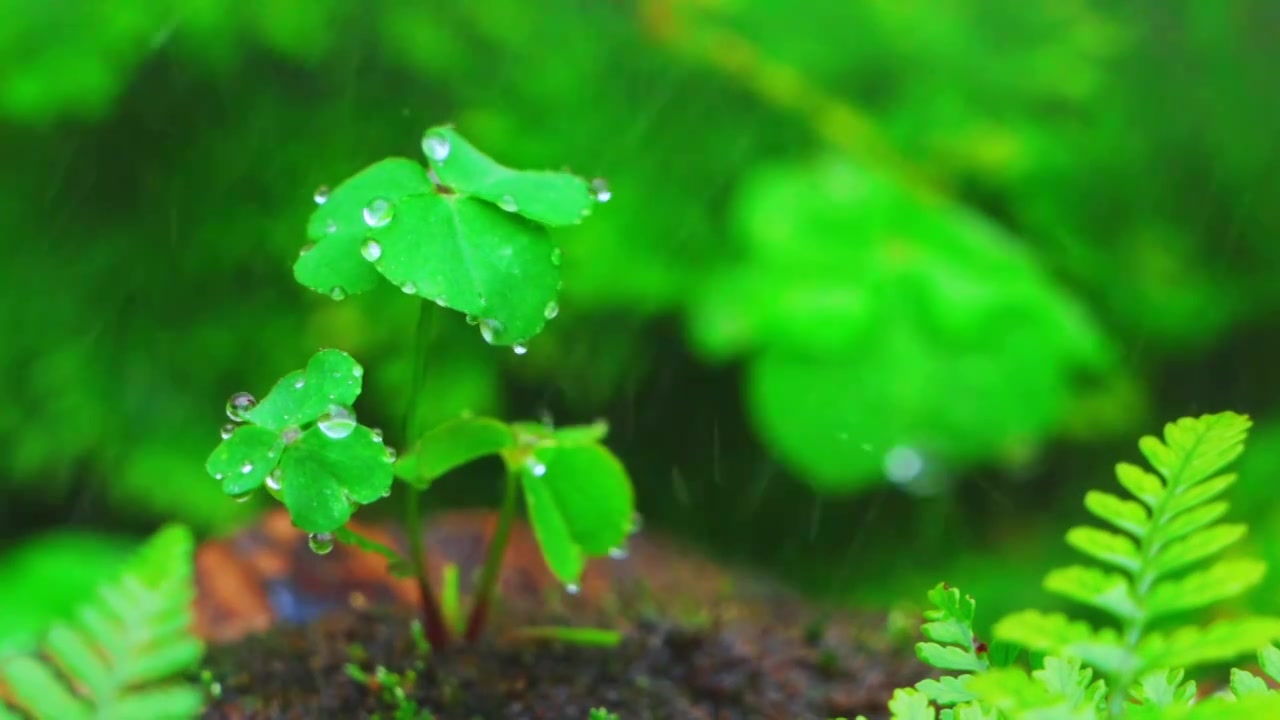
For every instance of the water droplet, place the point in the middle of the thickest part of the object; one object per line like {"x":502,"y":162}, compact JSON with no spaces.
{"x":600,"y":189}
{"x":239,"y":404}
{"x":572,"y":589}
{"x":442,"y":302}
{"x":358,"y":371}
{"x":377,"y":434}
{"x":337,"y":293}
{"x":227,"y":430}
{"x":519,"y":349}
{"x":556,"y":256}
{"x":218,"y":476}
{"x":273,"y":481}
{"x":378,"y":212}
{"x":321,"y":543}
{"x":247,"y":467}
{"x":370,"y":249}
{"x":637,"y":524}
{"x":537,"y":469}
{"x":408,"y":288}
{"x":337,"y":422}
{"x":322,"y":195}
{"x":490,"y":330}
{"x":435,"y":146}
{"x":619,"y":553}
{"x":473,"y":320}
{"x":299,"y":383}
{"x":391,"y":454}
{"x":330,"y":226}
{"x":306,"y":249}
{"x":508,"y":203}
{"x":291,"y":434}
{"x":242,"y":497}
{"x":551,"y":310}
{"x":903,"y":464}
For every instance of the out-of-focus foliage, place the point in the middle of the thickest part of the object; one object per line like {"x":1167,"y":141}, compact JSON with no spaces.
{"x":955,"y":231}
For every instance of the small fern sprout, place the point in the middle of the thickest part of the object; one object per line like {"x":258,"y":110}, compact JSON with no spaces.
{"x":1152,"y":569}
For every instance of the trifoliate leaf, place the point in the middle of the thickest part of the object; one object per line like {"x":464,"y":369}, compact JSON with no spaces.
{"x":452,"y":445}
{"x":580,"y":503}
{"x":322,"y":476}
{"x":472,"y":257}
{"x":243,"y":461}
{"x":1111,"y":592}
{"x":547,"y":197}
{"x":338,"y":228}
{"x":331,"y":377}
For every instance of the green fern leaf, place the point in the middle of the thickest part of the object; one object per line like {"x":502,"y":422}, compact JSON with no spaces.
{"x":1198,"y":546}
{"x":1164,"y":688}
{"x":1127,"y":515}
{"x":116,"y":662}
{"x":1069,"y":679}
{"x":1269,"y":659}
{"x":1224,"y":579}
{"x":910,"y":704}
{"x":1221,"y":641}
{"x":1106,"y":591}
{"x":1055,"y":633}
{"x":1108,"y":547}
{"x":947,"y":691}
{"x":1244,"y":683}
{"x":950,"y":626}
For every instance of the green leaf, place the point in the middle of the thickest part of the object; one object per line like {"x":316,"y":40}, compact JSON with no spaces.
{"x":452,"y":445}
{"x":474,"y":258}
{"x":243,"y":461}
{"x":1164,"y":688}
{"x":1221,"y":641}
{"x":580,"y":503}
{"x":1108,"y":547}
{"x":1269,"y":659}
{"x":321,"y":477}
{"x":1068,"y":679}
{"x":1201,"y":493}
{"x":1144,"y":485}
{"x":547,"y":197}
{"x":910,"y":704}
{"x":1191,"y":520}
{"x":949,"y":657}
{"x":951,"y":620}
{"x":122,"y":658}
{"x":946,"y":690}
{"x":1245,"y":683}
{"x":1111,"y":592}
{"x":1193,"y":449}
{"x":1056,"y":634}
{"x":331,"y":377}
{"x":338,"y":228}
{"x":1224,"y":579}
{"x":1124,"y":514}
{"x":1197,"y":546}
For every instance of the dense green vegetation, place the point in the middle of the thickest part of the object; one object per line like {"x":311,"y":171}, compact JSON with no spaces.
{"x":875,"y":280}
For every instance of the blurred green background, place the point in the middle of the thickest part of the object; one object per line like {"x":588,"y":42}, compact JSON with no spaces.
{"x":883,"y":287}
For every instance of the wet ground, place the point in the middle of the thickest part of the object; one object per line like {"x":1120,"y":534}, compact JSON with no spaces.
{"x":698,"y":641}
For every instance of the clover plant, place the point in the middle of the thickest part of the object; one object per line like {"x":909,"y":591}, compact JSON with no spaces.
{"x":467,"y":234}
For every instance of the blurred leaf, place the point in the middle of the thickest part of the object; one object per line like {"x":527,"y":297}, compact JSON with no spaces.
{"x":1164,"y":688}
{"x":1108,"y":547}
{"x":910,"y":704}
{"x":1056,"y":633}
{"x":451,"y":445}
{"x":1220,"y":581}
{"x":1220,"y":641}
{"x":1107,"y":591}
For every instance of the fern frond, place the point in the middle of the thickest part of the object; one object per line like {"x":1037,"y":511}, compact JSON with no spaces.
{"x":1164,"y":688}
{"x":954,"y":646}
{"x":116,"y":662}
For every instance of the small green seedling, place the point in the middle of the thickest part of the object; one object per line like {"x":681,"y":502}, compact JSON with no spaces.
{"x":1129,"y":671}
{"x":467,"y":234}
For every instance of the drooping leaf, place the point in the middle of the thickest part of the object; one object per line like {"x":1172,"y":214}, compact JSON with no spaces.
{"x":452,"y":445}
{"x":563,"y":556}
{"x":331,"y":377}
{"x":472,"y":257}
{"x":122,"y":658}
{"x":321,"y":477}
{"x":548,"y":197}
{"x":338,"y":228}
{"x":243,"y":461}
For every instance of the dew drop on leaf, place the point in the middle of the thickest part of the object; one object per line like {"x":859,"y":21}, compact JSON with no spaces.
{"x":537,"y":469}
{"x":391,"y":454}
{"x":306,"y":249}
{"x":273,"y":481}
{"x":242,"y":497}
{"x":370,"y":250}
{"x":218,"y":476}
{"x":408,"y":288}
{"x":435,"y":146}
{"x":330,"y":226}
{"x":508,"y":203}
{"x":246,"y":468}
{"x":227,"y":430}
{"x":556,"y":256}
{"x":239,"y":404}
{"x":619,"y":553}
{"x":357,"y":371}
{"x":472,"y":320}
{"x":291,"y":434}
{"x":297,"y":384}
{"x":572,"y":589}
{"x":337,"y":422}
{"x":378,"y":212}
{"x":490,"y":330}
{"x":903,"y":464}
{"x":519,"y":349}
{"x":321,"y":543}
{"x":442,"y":302}
{"x":377,"y":434}
{"x":322,"y":195}
{"x":600,"y":189}
{"x":337,"y":293}
{"x":551,"y":310}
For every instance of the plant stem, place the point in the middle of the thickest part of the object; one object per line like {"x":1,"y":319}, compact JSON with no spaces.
{"x":493,"y":562}
{"x":433,"y":619}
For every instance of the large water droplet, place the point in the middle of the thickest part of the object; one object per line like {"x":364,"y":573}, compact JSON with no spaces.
{"x":903,"y":464}
{"x":537,"y":469}
{"x":218,"y":476}
{"x":391,"y":454}
{"x":556,"y":256}
{"x":600,"y":189}
{"x":337,"y":422}
{"x":239,"y":404}
{"x":273,"y":481}
{"x":377,"y":434}
{"x":321,"y":543}
{"x":551,"y":310}
{"x":435,"y":146}
{"x":519,"y":349}
{"x":490,"y":330}
{"x":322,"y":195}
{"x":572,"y":589}
{"x":227,"y":430}
{"x":508,"y":203}
{"x":247,"y":467}
{"x":337,"y":293}
{"x":378,"y":212}
{"x":291,"y":434}
{"x":370,"y":249}
{"x":357,"y":371}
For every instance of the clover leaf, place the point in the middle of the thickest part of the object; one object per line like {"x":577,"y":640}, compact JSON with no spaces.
{"x":452,"y":445}
{"x":544,"y":196}
{"x":302,"y":441}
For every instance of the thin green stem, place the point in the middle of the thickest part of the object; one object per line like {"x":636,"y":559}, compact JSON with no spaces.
{"x":433,"y":619}
{"x":493,"y":562}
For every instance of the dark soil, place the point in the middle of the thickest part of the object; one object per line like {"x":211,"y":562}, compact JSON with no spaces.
{"x":698,"y":641}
